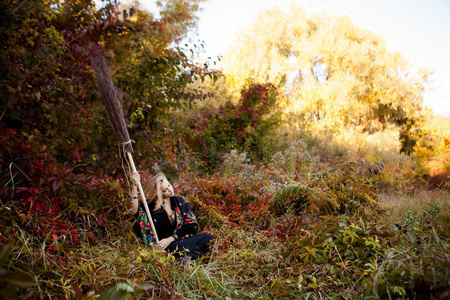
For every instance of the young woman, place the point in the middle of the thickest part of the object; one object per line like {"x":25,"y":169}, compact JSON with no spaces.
{"x":175,"y":224}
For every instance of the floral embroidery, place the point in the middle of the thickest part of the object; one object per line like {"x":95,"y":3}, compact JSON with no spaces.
{"x":184,"y":216}
{"x":147,"y":236}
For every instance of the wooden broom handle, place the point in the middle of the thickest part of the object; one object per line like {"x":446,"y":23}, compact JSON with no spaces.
{"x":141,"y":192}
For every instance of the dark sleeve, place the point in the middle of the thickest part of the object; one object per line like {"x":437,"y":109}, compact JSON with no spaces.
{"x":187,"y":224}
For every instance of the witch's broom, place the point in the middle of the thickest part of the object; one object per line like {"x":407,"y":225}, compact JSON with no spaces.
{"x":113,"y":104}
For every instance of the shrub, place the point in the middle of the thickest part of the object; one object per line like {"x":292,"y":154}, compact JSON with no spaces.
{"x":242,"y":127}
{"x":400,"y":175}
{"x":50,"y":200}
{"x":338,"y":190}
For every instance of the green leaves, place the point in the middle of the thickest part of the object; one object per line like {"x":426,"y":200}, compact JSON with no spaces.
{"x":119,"y":292}
{"x":337,"y":190}
{"x":292,"y":192}
{"x":10,"y":281}
{"x":244,"y":127}
{"x":4,"y":253}
{"x":17,"y":279}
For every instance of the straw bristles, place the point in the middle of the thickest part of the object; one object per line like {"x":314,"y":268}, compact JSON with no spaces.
{"x":111,"y":97}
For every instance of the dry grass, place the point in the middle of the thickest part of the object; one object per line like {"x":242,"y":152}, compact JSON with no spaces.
{"x":259,"y":253}
{"x":400,"y":204}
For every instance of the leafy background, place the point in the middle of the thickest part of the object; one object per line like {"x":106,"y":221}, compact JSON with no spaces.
{"x":333,"y":183}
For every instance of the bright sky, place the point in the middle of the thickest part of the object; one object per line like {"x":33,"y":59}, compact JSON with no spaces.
{"x":418,"y":29}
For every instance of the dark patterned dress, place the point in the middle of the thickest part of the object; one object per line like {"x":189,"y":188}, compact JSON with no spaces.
{"x":189,"y":243}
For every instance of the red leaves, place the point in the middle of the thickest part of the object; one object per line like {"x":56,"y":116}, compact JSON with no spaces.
{"x":100,"y":219}
{"x":56,"y":184}
{"x":256,"y":210}
{"x":33,"y":190}
{"x":39,"y":206}
{"x":21,"y":190}
{"x":25,"y":148}
{"x":7,"y":132}
{"x":55,"y":230}
{"x":230,"y":198}
{"x":37,"y":165}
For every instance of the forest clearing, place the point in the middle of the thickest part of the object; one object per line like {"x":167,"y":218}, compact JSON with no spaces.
{"x":308,"y":157}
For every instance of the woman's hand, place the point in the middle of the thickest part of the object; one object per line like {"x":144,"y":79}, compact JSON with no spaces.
{"x":135,"y":177}
{"x":164,"y":243}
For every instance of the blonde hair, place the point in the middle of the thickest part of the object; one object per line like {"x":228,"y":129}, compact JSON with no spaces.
{"x":152,"y":190}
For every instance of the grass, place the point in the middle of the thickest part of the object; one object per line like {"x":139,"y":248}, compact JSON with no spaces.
{"x":400,"y":204}
{"x":398,"y":251}
{"x":284,"y":256}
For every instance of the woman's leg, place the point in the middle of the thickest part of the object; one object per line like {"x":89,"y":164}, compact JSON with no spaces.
{"x":195,"y":246}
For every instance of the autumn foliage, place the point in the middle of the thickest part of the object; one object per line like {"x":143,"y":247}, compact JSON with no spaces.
{"x":284,"y":172}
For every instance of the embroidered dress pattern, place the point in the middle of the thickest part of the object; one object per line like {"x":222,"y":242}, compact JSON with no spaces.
{"x":184,"y":216}
{"x":147,"y":236}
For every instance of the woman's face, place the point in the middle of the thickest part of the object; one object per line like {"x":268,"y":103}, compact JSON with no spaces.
{"x":166,"y":189}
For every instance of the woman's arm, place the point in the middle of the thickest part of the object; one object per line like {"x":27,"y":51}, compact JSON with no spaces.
{"x":134,"y":195}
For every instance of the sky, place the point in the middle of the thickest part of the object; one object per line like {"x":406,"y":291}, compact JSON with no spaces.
{"x":418,"y":29}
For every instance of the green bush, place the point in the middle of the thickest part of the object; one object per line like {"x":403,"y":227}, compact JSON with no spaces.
{"x":340,"y":190}
{"x":242,"y":127}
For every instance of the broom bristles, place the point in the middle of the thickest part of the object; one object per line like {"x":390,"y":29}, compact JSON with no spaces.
{"x":111,"y":97}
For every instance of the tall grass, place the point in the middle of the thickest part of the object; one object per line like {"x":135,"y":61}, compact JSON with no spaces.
{"x":400,"y":204}
{"x":266,"y":252}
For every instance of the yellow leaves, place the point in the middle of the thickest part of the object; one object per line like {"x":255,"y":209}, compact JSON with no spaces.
{"x":147,"y":254}
{"x":48,"y":16}
{"x":24,"y":217}
{"x":30,"y":42}
{"x":12,"y":89}
{"x":371,"y":242}
{"x":276,"y":286}
{"x":309,"y":254}
{"x":324,"y":49}
{"x":313,"y":283}
{"x":349,"y":236}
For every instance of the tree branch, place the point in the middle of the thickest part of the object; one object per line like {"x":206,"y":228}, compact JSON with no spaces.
{"x":23,"y":2}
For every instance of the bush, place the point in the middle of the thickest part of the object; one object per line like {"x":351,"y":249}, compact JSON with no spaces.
{"x":51,"y":200}
{"x":340,"y":190}
{"x":242,"y":127}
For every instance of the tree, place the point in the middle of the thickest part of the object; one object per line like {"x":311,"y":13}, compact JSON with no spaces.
{"x":46,"y":80}
{"x":328,"y":69}
{"x":58,"y":153}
